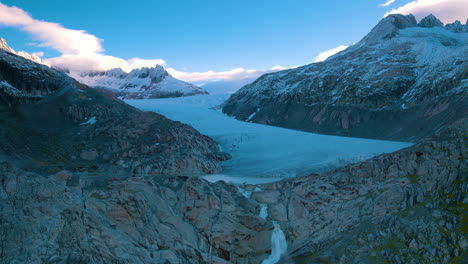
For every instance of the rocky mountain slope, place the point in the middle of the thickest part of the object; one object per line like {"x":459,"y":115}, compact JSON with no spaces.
{"x":139,"y":83}
{"x":24,"y":54}
{"x":402,"y":81}
{"x":406,"y":207}
{"x":50,"y":122}
{"x":410,"y":206}
{"x":67,"y":152}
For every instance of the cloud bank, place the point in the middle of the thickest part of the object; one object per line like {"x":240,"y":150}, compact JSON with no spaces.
{"x":446,"y":10}
{"x":328,"y":53}
{"x":80,"y":50}
{"x":210,"y":76}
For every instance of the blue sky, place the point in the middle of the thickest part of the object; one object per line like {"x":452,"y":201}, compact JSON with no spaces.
{"x":198,"y":36}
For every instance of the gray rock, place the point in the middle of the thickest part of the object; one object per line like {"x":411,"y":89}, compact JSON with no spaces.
{"x":456,"y":27}
{"x":89,"y":154}
{"x":430,"y":21}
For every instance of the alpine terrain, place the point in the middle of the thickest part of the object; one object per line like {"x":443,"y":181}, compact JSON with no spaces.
{"x":403,"y":81}
{"x":153,"y":82}
{"x":87,"y":178}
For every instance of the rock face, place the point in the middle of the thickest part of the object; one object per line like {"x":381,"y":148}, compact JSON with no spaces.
{"x":51,"y":122}
{"x":64,"y":218}
{"x":457,"y":27}
{"x":430,"y":21}
{"x":70,"y":189}
{"x":406,"y":207}
{"x":139,"y":83}
{"x":400,"y":82}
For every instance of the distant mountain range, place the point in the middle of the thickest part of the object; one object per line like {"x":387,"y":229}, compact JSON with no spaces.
{"x":153,"y":82}
{"x":403,"y":81}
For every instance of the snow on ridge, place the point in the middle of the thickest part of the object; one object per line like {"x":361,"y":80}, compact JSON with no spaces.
{"x":145,"y":81}
{"x":420,"y":56}
{"x":32,"y":57}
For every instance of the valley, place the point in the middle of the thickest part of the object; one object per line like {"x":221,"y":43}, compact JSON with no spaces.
{"x":262,"y":153}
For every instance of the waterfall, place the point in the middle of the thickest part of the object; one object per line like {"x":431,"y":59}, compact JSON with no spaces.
{"x":279,"y":246}
{"x":263,"y":211}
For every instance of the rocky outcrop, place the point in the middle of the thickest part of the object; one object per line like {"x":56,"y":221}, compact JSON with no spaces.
{"x":430,"y":21}
{"x":139,"y":83}
{"x":4,"y":46}
{"x":401,"y":82}
{"x":388,"y":28}
{"x":71,"y":218}
{"x":51,"y":122}
{"x":404,"y":207}
{"x":457,"y":27}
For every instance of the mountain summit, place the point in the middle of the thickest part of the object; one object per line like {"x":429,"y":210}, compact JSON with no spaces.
{"x":402,"y":81}
{"x":154,"y":82}
{"x":32,"y":57}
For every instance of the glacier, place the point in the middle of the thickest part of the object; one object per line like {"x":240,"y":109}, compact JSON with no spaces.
{"x":262,"y":153}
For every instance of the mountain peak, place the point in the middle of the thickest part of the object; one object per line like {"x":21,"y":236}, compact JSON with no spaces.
{"x":388,"y":27}
{"x":146,"y":82}
{"x":153,"y":72}
{"x":430,"y":21}
{"x":116,"y":72}
{"x":457,"y":27}
{"x":32,"y":57}
{"x":4,"y":46}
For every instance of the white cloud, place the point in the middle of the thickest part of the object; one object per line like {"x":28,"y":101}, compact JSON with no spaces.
{"x":389,"y":2}
{"x":81,"y":51}
{"x":136,"y":63}
{"x":210,"y":76}
{"x":446,"y":10}
{"x":38,"y":54}
{"x":51,"y":35}
{"x":328,"y":53}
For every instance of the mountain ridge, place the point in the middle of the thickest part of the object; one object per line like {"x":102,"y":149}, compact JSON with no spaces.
{"x":400,"y":82}
{"x":146,"y":82}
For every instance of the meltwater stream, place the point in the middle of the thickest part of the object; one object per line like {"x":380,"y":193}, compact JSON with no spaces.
{"x":279,"y":245}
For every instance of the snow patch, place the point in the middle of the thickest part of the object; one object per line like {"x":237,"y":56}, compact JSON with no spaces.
{"x":90,"y":121}
{"x":252,"y":115}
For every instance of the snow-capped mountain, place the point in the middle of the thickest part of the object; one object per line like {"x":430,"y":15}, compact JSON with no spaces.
{"x":139,"y":83}
{"x":401,"y":81}
{"x":24,"y":54}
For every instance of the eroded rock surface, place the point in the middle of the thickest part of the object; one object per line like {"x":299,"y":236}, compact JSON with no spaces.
{"x":68,"y":218}
{"x":405,"y":207}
